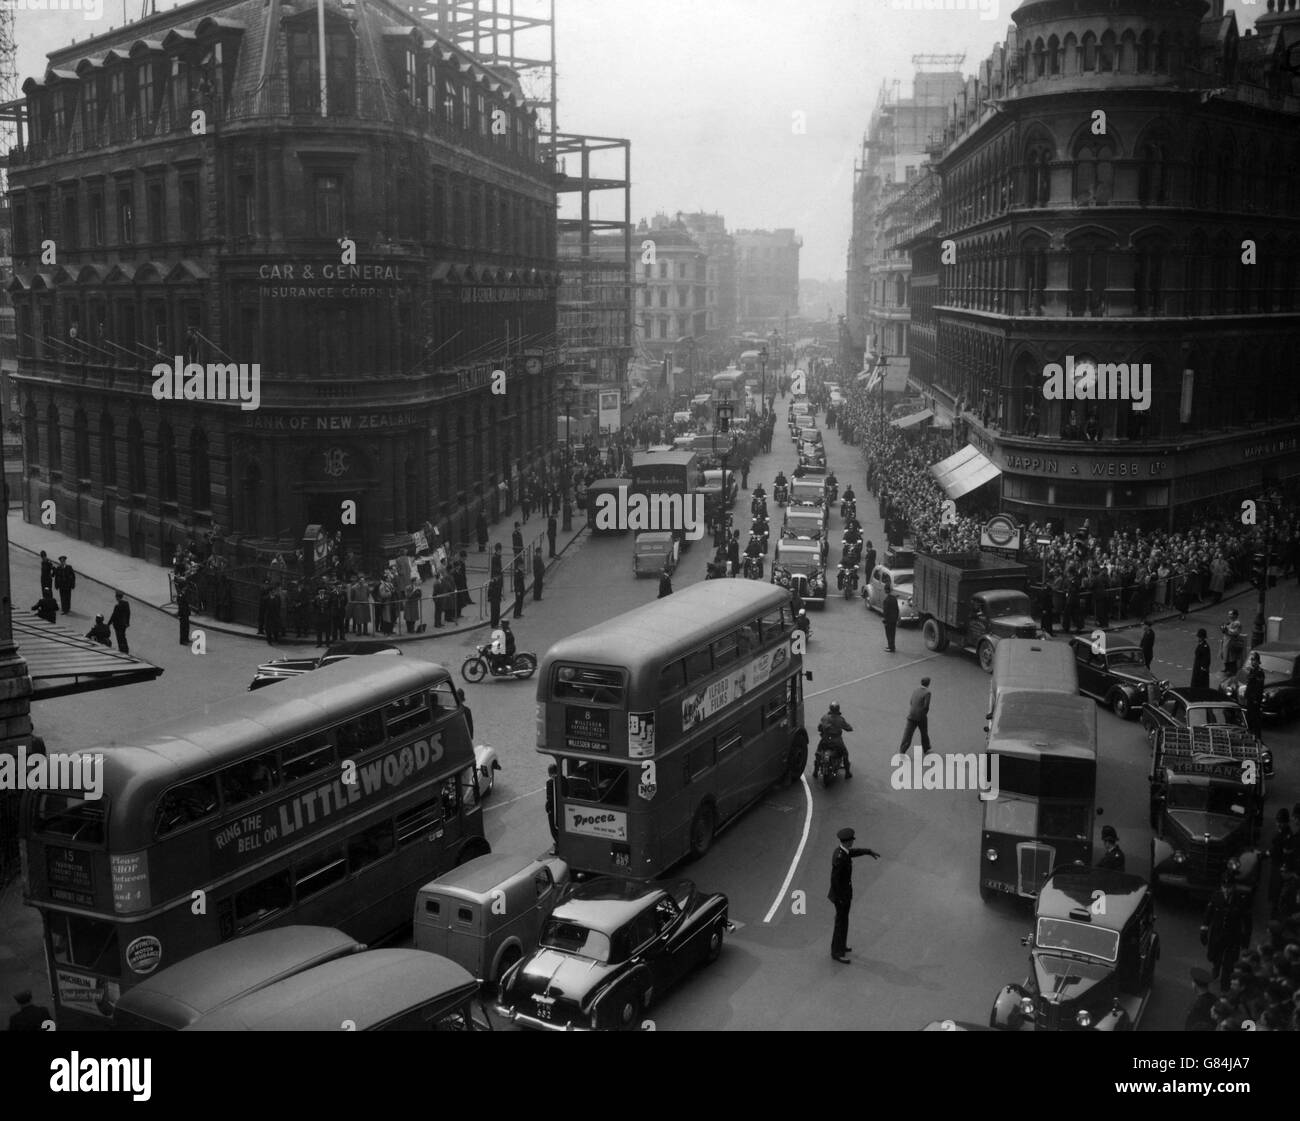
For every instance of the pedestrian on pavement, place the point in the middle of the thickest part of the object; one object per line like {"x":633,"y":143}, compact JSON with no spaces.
{"x":274,"y":617}
{"x":889,"y":613}
{"x":517,"y":542}
{"x":65,"y":579}
{"x":481,"y":531}
{"x":411,"y":608}
{"x":460,"y":577}
{"x":494,"y":598}
{"x":29,"y":1017}
{"x":521,"y":587}
{"x":1113,"y":858}
{"x":183,"y":610}
{"x":539,"y":574}
{"x":744,"y":474}
{"x":841,"y":893}
{"x":1201,"y":661}
{"x":1147,"y":642}
{"x":1224,"y":927}
{"x":120,"y":620}
{"x":99,"y":632}
{"x":665,"y":584}
{"x":47,"y":573}
{"x":525,"y":503}
{"x":47,"y":607}
{"x":869,"y":560}
{"x":1255,"y":696}
{"x":494,"y":562}
{"x":551,"y":529}
{"x":1233,"y":645}
{"x":918,"y":716}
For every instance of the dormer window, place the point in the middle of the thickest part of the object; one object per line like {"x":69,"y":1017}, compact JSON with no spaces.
{"x":90,"y":104}
{"x":304,"y":70}
{"x":412,"y":89}
{"x":430,"y":88}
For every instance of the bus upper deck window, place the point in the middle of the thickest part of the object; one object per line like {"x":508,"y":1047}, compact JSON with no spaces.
{"x":366,"y":731}
{"x":250,"y":779}
{"x":188,"y":803}
{"x":71,"y":817}
{"x":407,"y":714}
{"x":310,"y":754}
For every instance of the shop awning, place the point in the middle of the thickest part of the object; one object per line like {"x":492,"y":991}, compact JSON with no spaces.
{"x":913,"y":419}
{"x":964,"y":471}
{"x":62,"y":662}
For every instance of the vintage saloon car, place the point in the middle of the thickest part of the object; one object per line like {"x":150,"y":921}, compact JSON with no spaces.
{"x":609,"y":949}
{"x":900,"y":579}
{"x":282,"y":668}
{"x":1186,"y":707}
{"x":1115,"y":674}
{"x":1092,"y":956}
{"x":1280,"y":662}
{"x":799,"y":565}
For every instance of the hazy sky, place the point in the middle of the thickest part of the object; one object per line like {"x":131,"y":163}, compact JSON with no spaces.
{"x":707,"y":91}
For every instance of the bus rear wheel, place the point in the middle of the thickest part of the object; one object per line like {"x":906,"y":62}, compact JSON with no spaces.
{"x":702,"y":828}
{"x":796,"y":761}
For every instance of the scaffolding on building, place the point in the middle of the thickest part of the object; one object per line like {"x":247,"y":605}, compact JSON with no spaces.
{"x":595,"y":301}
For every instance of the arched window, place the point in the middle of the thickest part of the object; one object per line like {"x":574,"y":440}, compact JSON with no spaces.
{"x":1148,"y":276}
{"x":1106,"y":53}
{"x":107,"y":450}
{"x":200,"y":471}
{"x":135,"y":469}
{"x":1033,"y":269}
{"x":1094,"y":172}
{"x":81,"y":449}
{"x":1071,"y":54}
{"x":1038,"y":178}
{"x":1144,"y":52}
{"x":1153,"y":173}
{"x":54,"y":438}
{"x":1040,"y":59}
{"x":1054,"y":55}
{"x":166,"y":462}
{"x":1088,"y":52}
{"x":1089,"y":263}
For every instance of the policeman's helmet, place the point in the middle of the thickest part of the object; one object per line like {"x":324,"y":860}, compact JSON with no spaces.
{"x":835,"y":707}
{"x":1108,"y":833}
{"x":802,"y":612}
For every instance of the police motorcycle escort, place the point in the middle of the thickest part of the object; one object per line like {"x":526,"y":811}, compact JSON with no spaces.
{"x":831,"y":754}
{"x":503,"y":662}
{"x":781,"y":489}
{"x":832,"y":485}
{"x":849,"y":505}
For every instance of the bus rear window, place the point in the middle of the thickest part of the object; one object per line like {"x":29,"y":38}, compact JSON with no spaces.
{"x":86,"y":943}
{"x":71,"y":817}
{"x":587,"y":781}
{"x":183,"y":805}
{"x":590,"y":686}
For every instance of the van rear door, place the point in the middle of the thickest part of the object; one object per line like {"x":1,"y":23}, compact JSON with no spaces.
{"x":431,"y":921}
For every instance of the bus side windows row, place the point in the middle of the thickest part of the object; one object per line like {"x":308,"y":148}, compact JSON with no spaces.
{"x":192,"y":801}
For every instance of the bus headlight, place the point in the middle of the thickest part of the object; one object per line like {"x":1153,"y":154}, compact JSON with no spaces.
{"x":991,"y":856}
{"x":1083,"y":1018}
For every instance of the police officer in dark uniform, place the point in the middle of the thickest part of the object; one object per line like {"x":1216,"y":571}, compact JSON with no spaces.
{"x":183,"y":610}
{"x":665,"y":584}
{"x":1113,"y":858}
{"x":841,"y":893}
{"x":889,"y":615}
{"x":29,"y":1017}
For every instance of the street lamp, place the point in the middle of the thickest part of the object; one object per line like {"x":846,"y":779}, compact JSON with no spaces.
{"x":723,"y":412}
{"x":568,"y":395}
{"x":762,"y":362}
{"x":1261,"y":561}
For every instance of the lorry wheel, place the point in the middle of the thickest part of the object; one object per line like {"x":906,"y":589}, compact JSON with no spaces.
{"x":934,"y":635}
{"x":985,"y":654}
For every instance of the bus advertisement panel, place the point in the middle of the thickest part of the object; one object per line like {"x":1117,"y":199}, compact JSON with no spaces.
{"x":669,"y":720}
{"x":326,"y":800}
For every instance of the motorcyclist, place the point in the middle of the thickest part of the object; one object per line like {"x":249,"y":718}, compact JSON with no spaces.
{"x":801,"y":620}
{"x":780,"y":480}
{"x":832,"y":728}
{"x":497,"y":653}
{"x":832,"y":484}
{"x":848,"y":494}
{"x":758,"y":506}
{"x":510,"y":643}
{"x":852,"y":533}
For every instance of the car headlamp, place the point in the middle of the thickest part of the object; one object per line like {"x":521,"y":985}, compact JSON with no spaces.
{"x":991,"y":855}
{"x":1027,"y":1005}
{"x":1180,"y":857}
{"x":1083,"y":1018}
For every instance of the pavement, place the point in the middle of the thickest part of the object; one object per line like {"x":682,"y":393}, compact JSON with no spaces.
{"x":148,"y":585}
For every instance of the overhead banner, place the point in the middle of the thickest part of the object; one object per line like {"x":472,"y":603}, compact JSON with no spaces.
{"x":611,"y":412}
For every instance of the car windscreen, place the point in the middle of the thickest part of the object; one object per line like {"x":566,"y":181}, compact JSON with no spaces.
{"x":1200,"y":716}
{"x":1012,"y":605}
{"x":1073,"y":967}
{"x":1229,"y":801}
{"x":1077,"y":937}
{"x":1126,"y":658}
{"x":1276,"y":663}
{"x":574,"y":938}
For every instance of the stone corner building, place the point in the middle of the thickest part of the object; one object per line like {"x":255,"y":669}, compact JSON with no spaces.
{"x":179,"y":189}
{"x":1120,"y":243}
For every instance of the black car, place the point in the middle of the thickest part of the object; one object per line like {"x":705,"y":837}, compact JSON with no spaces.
{"x":270,"y":672}
{"x":1092,"y":956}
{"x":1280,"y":662}
{"x":609,"y":949}
{"x":1114,"y":674}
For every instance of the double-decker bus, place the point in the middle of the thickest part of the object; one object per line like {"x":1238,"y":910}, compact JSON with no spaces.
{"x":328,"y":800}
{"x":1043,"y":755}
{"x":751,"y":363}
{"x":669,"y":720}
{"x":730,"y":386}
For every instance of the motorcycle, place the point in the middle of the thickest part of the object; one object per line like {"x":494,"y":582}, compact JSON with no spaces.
{"x":782,"y":493}
{"x":848,"y":509}
{"x":832,"y":491}
{"x":479,"y":665}
{"x":753,"y":567}
{"x":758,"y":507}
{"x":715,"y":570}
{"x":847,"y":580}
{"x":851,"y":556}
{"x":828,"y":760}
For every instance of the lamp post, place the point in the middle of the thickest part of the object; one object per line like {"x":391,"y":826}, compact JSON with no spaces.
{"x":762,"y":362}
{"x":567,"y":396}
{"x":1043,"y":543}
{"x":722,"y":427}
{"x":1261,"y":563}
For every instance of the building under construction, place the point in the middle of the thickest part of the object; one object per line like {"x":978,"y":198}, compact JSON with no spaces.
{"x":593,"y":180}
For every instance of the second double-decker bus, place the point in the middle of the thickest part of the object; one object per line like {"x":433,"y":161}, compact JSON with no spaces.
{"x":1043,"y":758}
{"x":669,"y":720}
{"x":328,"y":800}
{"x":730,"y":386}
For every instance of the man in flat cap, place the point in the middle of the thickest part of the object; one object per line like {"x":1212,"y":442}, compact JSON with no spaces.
{"x":841,"y":893}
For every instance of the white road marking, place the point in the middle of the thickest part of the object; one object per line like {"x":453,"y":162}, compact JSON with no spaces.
{"x":867,"y":677}
{"x":511,"y":801}
{"x":807,"y":828}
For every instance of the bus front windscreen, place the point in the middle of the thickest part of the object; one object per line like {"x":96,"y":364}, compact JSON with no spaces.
{"x":587,"y":781}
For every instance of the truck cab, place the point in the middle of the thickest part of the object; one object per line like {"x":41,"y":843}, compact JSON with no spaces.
{"x":993,"y":616}
{"x":1207,"y":808}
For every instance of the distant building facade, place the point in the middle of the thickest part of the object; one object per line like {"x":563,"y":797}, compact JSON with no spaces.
{"x":767,"y":277}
